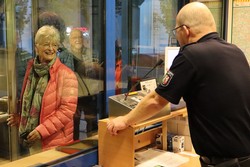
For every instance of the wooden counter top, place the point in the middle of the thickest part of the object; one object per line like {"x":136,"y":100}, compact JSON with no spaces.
{"x":37,"y":159}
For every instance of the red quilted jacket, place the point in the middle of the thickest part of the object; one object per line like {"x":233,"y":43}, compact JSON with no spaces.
{"x":58,"y":105}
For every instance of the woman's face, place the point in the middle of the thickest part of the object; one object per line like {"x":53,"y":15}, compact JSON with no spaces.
{"x":46,"y":51}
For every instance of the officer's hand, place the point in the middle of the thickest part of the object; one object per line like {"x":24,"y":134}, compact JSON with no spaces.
{"x":116,"y":124}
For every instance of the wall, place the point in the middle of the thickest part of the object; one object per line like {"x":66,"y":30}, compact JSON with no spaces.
{"x":241,"y":26}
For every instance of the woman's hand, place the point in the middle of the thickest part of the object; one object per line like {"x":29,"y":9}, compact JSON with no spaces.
{"x":33,"y":136}
{"x":13,"y":120}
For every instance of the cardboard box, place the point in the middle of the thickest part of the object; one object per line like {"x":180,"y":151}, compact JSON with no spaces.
{"x":178,"y":143}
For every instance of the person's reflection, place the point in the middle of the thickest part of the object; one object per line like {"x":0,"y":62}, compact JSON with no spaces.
{"x":85,"y":65}
{"x":48,"y":98}
{"x":90,"y":80}
{"x":79,"y":45}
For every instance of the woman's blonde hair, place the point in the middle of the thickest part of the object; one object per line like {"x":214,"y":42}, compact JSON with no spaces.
{"x":47,"y":33}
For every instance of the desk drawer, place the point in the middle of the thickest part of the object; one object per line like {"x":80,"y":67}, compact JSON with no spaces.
{"x":146,"y":138}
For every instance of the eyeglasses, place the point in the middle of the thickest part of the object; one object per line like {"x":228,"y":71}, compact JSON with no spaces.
{"x":174,"y":30}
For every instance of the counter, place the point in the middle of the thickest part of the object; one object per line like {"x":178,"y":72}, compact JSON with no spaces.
{"x":37,"y":159}
{"x":81,"y":153}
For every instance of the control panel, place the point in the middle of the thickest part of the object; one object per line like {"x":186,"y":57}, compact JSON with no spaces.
{"x":121,"y":105}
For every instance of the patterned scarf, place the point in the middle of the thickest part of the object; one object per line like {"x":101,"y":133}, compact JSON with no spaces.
{"x":32,"y":97}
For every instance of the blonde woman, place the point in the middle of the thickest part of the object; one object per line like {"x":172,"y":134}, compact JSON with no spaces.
{"x":48,"y":98}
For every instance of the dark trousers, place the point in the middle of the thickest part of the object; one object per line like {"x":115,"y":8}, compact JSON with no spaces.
{"x":234,"y":162}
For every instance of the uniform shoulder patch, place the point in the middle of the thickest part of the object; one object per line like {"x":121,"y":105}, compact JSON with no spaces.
{"x":167,"y":78}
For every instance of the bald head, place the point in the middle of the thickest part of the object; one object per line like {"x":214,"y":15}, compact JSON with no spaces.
{"x":198,"y":17}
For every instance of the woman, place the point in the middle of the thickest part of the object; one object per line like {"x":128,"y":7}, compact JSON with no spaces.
{"x":48,"y":98}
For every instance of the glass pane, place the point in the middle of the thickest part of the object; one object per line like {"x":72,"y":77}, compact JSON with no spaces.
{"x":240,"y":26}
{"x":24,"y":40}
{"x":81,"y":37}
{"x":143,"y":30}
{"x":80,"y":25}
{"x":4,"y":130}
{"x":24,"y":49}
{"x":3,"y":60}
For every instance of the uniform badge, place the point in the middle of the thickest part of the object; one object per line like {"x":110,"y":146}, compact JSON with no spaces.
{"x":167,"y":78}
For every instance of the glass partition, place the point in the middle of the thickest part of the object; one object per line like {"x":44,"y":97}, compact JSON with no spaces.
{"x":8,"y":141}
{"x":4,"y":129}
{"x":80,"y":23}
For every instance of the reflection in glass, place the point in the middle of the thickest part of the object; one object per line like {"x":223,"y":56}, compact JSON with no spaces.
{"x":141,"y":37}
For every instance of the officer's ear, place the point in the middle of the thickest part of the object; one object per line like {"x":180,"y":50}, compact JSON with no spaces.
{"x":187,"y":30}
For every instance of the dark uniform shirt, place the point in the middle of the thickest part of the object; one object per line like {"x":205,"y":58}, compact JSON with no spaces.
{"x":213,"y":77}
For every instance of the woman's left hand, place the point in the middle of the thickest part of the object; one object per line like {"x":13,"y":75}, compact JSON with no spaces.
{"x":33,"y":136}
